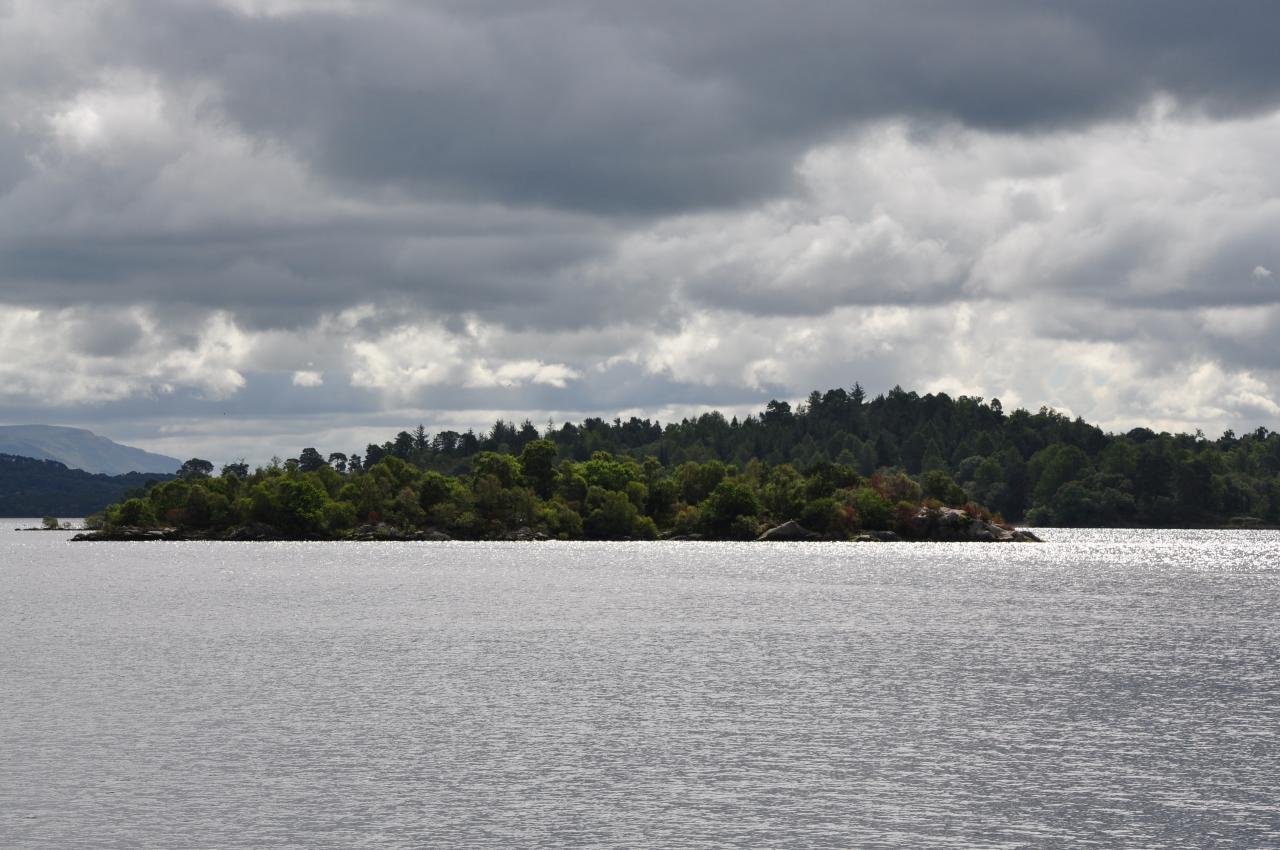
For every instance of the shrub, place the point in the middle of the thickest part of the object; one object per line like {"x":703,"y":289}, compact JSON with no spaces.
{"x":936,"y":484}
{"x":131,"y":512}
{"x":875,"y":512}
{"x":729,"y":500}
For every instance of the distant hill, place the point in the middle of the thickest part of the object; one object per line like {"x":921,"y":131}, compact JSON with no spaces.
{"x":34,"y":488}
{"x":81,"y":449}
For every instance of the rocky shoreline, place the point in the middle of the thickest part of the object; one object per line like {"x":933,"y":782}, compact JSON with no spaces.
{"x":937,"y":525}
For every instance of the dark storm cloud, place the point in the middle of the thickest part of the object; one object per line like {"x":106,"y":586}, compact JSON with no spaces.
{"x":636,"y":108}
{"x":624,"y":205}
{"x":285,"y":277}
{"x":467,"y":113}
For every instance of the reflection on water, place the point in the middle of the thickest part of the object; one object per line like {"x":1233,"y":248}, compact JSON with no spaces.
{"x":1105,"y":689}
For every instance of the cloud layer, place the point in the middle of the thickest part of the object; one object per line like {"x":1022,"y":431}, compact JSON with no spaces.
{"x":327,"y":219}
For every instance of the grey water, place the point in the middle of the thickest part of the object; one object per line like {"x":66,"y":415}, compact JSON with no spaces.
{"x":1111,"y":689}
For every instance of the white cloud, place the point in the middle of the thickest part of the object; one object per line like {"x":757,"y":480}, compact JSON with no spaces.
{"x":424,"y":354}
{"x":124,"y":110}
{"x":51,"y":356}
{"x":1090,"y":269}
{"x":519,"y":372}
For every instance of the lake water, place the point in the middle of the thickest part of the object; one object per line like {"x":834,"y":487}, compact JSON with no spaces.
{"x":1105,"y":689}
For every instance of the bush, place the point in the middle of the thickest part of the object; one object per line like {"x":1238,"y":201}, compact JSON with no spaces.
{"x":937,"y":484}
{"x":821,"y":515}
{"x":560,"y":521}
{"x":339,"y":516}
{"x":688,"y":520}
{"x":743,"y":528}
{"x":131,"y":512}
{"x":611,"y":516}
{"x":875,"y":512}
{"x":730,"y":500}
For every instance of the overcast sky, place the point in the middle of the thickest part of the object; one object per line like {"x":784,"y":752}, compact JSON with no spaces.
{"x":240,"y":227}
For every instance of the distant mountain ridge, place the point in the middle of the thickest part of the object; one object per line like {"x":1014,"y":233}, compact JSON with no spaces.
{"x":78,"y":448}
{"x":36,"y":488}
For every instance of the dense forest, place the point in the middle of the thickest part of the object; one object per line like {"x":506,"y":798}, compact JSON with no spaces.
{"x":839,"y":463}
{"x":33,"y":488}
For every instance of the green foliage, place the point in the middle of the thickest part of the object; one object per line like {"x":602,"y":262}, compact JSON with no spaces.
{"x":195,"y":468}
{"x":837,"y":463}
{"x":875,"y":512}
{"x":311,"y":460}
{"x":560,"y":521}
{"x":696,"y":480}
{"x":730,"y":501}
{"x":538,"y":466}
{"x":503,"y":468}
{"x":611,"y":516}
{"x":293,"y":505}
{"x":435,"y":488}
{"x":827,"y":516}
{"x":897,"y":487}
{"x":936,"y":484}
{"x":50,"y":523}
{"x":609,"y":472}
{"x":823,"y":478}
{"x":783,"y":492}
{"x":1054,"y":466}
{"x":131,"y":512}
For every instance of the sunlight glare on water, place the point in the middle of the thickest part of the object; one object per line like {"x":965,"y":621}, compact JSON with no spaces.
{"x":1104,"y":689}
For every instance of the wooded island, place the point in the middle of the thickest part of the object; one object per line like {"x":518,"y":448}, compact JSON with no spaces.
{"x":840,"y":466}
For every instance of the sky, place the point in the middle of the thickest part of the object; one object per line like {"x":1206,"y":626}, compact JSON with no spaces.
{"x":235,"y":228}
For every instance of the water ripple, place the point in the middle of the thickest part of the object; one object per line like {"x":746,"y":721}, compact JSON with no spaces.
{"x":1106,"y":689}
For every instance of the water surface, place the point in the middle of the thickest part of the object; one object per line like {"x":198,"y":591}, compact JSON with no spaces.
{"x":1104,"y":689}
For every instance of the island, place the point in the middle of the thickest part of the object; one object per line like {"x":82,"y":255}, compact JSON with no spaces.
{"x":838,"y":467}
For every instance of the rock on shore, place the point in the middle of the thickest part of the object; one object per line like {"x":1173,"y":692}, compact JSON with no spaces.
{"x":790,"y":530}
{"x":954,"y":525}
{"x":929,"y":524}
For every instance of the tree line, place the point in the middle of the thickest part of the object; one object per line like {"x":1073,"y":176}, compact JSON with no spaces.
{"x":839,"y":463}
{"x":31,"y":487}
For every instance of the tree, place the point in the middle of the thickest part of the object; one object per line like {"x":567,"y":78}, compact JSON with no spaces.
{"x":527,"y":434}
{"x":239,"y":469}
{"x":132,"y":512}
{"x":936,"y":484}
{"x":291,"y":505}
{"x":875,"y":512}
{"x":373,"y":454}
{"x":434,"y":489}
{"x":311,"y":460}
{"x":611,"y":473}
{"x":538,"y":466}
{"x":933,"y":459}
{"x":697,"y":480}
{"x":504,"y":468}
{"x":1054,"y":466}
{"x":718,"y":475}
{"x":403,"y":445}
{"x":777,"y":413}
{"x":730,"y":500}
{"x":610,"y":515}
{"x":195,"y":468}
